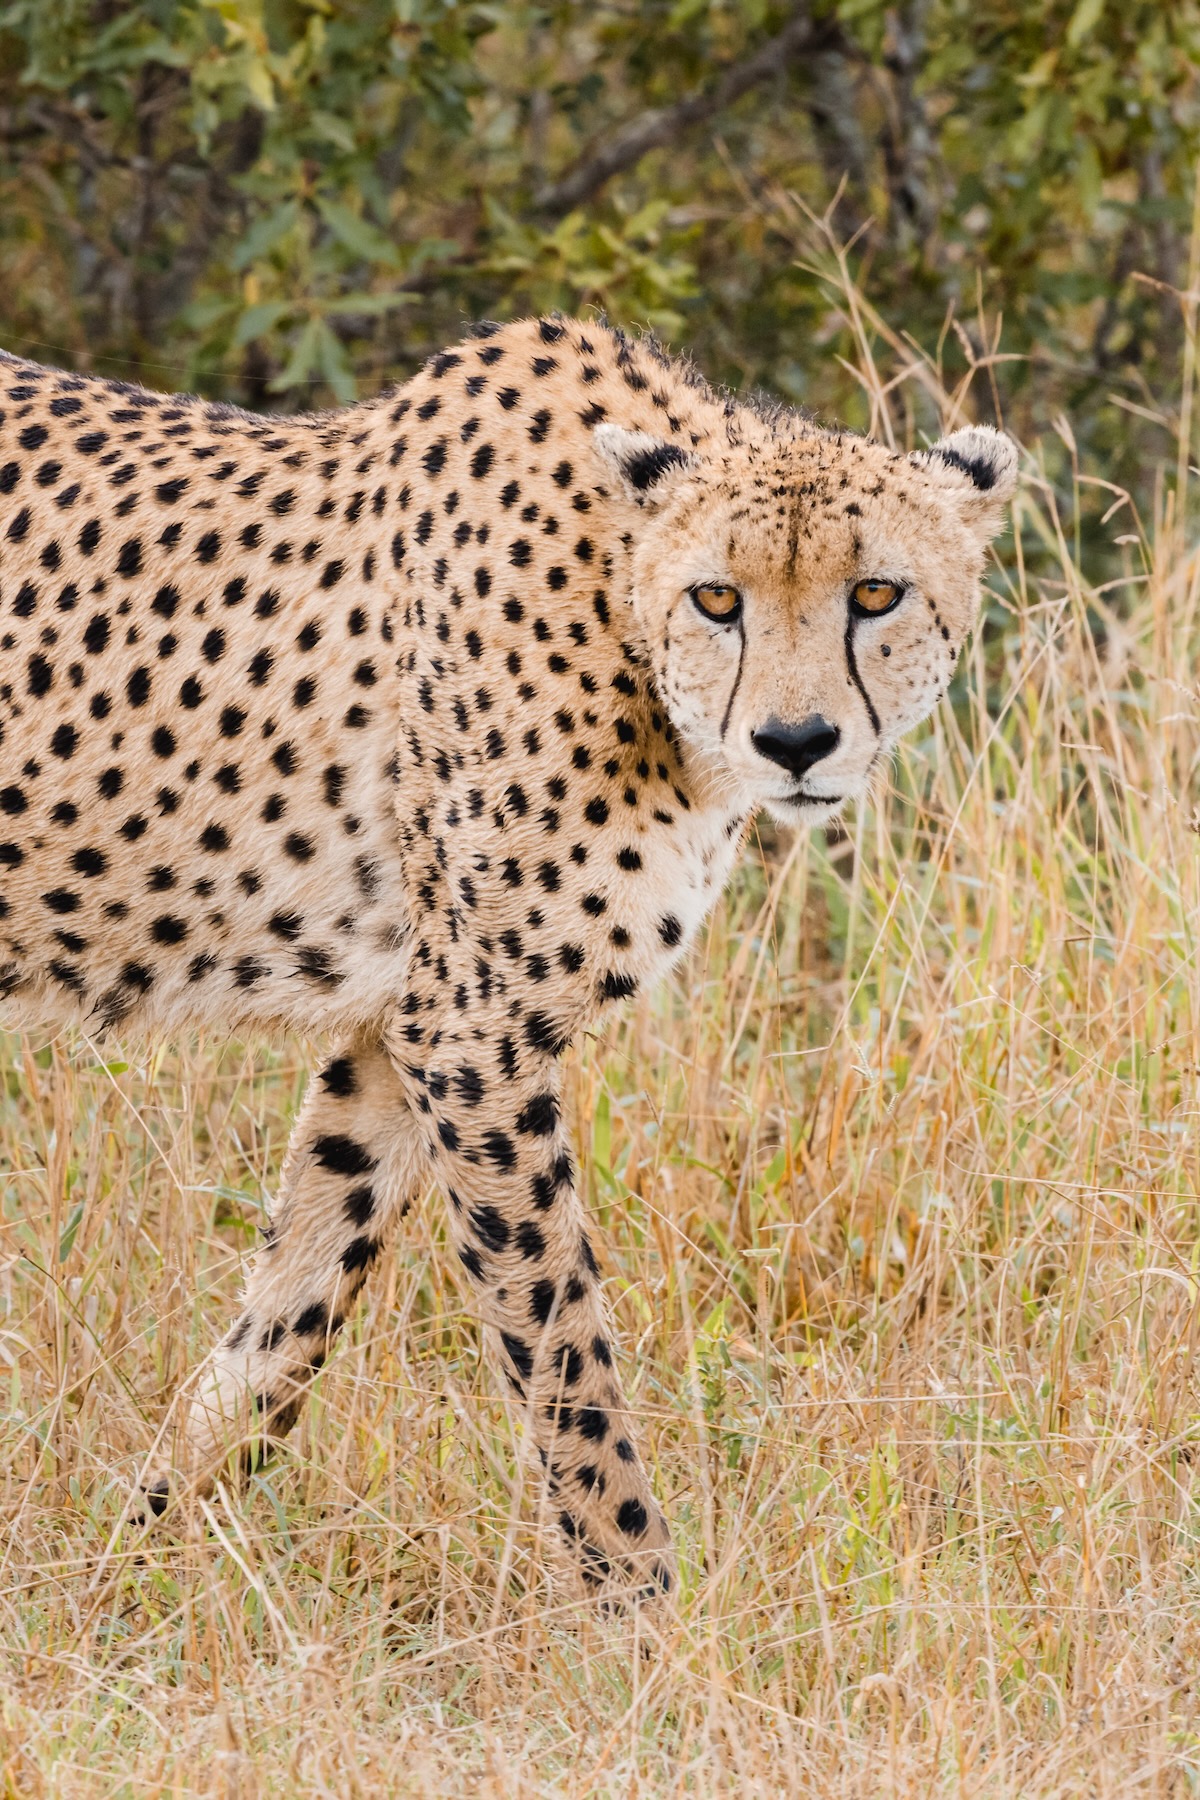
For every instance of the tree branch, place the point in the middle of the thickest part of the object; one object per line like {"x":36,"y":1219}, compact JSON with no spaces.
{"x":657,"y":126}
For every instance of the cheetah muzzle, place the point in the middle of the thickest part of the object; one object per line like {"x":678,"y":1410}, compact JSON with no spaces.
{"x":436,"y":723}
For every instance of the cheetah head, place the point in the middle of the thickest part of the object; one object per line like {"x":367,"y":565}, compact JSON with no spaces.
{"x":804,"y":598}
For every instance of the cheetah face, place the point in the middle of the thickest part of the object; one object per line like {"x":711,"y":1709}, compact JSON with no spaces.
{"x":805,"y":602}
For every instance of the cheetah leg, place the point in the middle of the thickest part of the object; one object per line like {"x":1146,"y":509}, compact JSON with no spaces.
{"x":352,"y":1167}
{"x":500,"y":1154}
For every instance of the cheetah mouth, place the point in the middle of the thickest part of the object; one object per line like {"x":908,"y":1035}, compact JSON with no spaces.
{"x":801,"y":797}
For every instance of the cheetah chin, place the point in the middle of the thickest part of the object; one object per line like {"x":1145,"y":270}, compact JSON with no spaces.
{"x":436,"y":723}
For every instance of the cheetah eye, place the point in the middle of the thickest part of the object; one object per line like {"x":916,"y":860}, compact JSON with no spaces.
{"x":874,"y":597}
{"x":717,"y":601}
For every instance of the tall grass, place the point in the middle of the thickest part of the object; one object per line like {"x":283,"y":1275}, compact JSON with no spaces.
{"x":897,"y":1191}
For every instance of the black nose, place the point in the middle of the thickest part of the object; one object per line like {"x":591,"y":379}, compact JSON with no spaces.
{"x":796,"y":747}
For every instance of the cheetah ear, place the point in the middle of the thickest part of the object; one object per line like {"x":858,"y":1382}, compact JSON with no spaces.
{"x":647,"y":467}
{"x":980,"y":465}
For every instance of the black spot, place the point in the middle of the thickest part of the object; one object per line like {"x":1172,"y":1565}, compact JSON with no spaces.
{"x":471,"y":1261}
{"x":448,"y":1133}
{"x":530,"y":1240}
{"x":592,"y":1423}
{"x":542,"y":1296}
{"x":540,"y":1117}
{"x":96,"y":634}
{"x":360,"y":1253}
{"x":632,"y":1517}
{"x":498,"y":1148}
{"x":469,"y":1083}
{"x":519,"y":1354}
{"x":542,"y":1034}
{"x":491,"y":1227}
{"x":343,"y":1155}
{"x":338,"y":1078}
{"x":157,"y":1496}
{"x":359,"y":1205}
{"x":315,"y":1317}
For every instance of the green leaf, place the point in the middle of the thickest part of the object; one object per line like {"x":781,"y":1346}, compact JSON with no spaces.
{"x":263,"y":236}
{"x":334,"y":130}
{"x":67,"y":1239}
{"x":684,"y":11}
{"x":319,"y":355}
{"x":357,"y":234}
{"x":1084,"y":20}
{"x":602,"y":1133}
{"x":204,"y":313}
{"x":305,"y":357}
{"x":776,"y":1169}
{"x":371,"y":305}
{"x":256,"y":321}
{"x":335,"y":366}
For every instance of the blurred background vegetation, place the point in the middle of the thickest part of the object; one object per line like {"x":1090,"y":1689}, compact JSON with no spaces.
{"x":288,"y":203}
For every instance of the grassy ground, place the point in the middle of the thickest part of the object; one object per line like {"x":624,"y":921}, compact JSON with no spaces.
{"x":896,"y":1191}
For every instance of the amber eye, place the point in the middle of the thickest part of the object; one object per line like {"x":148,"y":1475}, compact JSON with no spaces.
{"x":717,"y":601}
{"x":874,"y":597}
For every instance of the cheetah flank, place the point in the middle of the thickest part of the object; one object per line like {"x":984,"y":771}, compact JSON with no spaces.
{"x":436,"y":724}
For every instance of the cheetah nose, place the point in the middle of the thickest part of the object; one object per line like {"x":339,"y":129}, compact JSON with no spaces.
{"x":796,"y":747}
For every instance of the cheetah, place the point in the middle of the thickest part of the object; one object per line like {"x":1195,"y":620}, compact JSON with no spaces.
{"x":435,"y":724}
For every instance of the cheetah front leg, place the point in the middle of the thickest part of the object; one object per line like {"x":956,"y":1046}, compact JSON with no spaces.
{"x":352,"y":1167}
{"x":495,"y":1138}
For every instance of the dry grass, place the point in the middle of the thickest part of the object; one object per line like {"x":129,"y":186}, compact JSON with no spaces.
{"x":897,"y":1186}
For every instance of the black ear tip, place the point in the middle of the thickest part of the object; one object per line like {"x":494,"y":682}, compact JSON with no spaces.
{"x":646,"y":467}
{"x":988,"y":459}
{"x":981,"y":470}
{"x":641,"y":460}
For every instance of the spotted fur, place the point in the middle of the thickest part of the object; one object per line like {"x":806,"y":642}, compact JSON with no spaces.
{"x":402,"y":723}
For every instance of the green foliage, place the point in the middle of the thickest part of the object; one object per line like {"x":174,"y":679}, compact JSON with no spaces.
{"x":288,"y":202}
